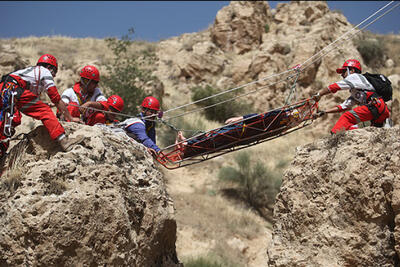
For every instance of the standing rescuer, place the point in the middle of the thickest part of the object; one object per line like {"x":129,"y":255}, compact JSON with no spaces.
{"x":26,"y":85}
{"x":371,"y":106}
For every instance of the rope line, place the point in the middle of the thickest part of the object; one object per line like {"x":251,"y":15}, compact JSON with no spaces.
{"x":358,"y":31}
{"x":303,"y":65}
{"x":348,"y":32}
{"x":230,"y":99}
{"x":228,"y":91}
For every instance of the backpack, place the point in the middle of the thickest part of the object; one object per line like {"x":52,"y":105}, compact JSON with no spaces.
{"x":381,"y":84}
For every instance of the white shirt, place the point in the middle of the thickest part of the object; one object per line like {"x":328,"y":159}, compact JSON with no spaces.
{"x":69,"y":95}
{"x":358,"y":86}
{"x":38,"y":77}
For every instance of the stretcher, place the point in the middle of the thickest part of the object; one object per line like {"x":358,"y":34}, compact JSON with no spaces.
{"x":239,"y":135}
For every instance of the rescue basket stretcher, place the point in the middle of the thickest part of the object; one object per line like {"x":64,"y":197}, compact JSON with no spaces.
{"x":245,"y":133}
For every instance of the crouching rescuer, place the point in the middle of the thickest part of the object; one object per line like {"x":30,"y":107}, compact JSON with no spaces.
{"x":20,"y":91}
{"x":368,"y":91}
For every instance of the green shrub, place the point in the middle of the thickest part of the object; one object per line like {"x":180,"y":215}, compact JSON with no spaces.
{"x":219,"y":112}
{"x":266,"y":28}
{"x":258,"y":184}
{"x":372,"y":51}
{"x":122,"y":73}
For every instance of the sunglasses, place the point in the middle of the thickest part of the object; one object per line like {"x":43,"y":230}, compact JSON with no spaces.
{"x":152,"y":111}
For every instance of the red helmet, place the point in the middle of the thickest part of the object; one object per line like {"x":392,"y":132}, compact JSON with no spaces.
{"x":90,"y":72}
{"x":354,"y":63}
{"x":151,"y":103}
{"x":48,"y":59}
{"x":116,"y":102}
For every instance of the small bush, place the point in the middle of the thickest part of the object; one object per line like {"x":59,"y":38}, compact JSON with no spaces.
{"x":219,"y":112}
{"x":372,"y":51}
{"x":266,"y":28}
{"x":123,"y":73}
{"x":258,"y":184}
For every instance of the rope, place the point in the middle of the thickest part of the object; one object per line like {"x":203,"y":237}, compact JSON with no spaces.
{"x":293,"y":88}
{"x":230,"y":99}
{"x":348,"y":32}
{"x":359,"y":30}
{"x":228,"y":91}
{"x":183,"y":130}
{"x":302,"y":66}
{"x":115,"y":113}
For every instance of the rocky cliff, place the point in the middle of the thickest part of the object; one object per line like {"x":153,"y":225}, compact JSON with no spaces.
{"x":103,"y":203}
{"x":339,"y":203}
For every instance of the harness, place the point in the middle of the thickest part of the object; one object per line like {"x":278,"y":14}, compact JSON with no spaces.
{"x":371,"y":105}
{"x":11,"y":91}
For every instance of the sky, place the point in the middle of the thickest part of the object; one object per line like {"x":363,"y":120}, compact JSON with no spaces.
{"x":151,"y":20}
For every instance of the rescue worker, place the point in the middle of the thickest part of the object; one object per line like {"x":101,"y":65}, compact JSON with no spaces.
{"x":28,"y":84}
{"x":114,"y":105}
{"x":143,"y":129}
{"x":83,"y":91}
{"x":371,"y":106}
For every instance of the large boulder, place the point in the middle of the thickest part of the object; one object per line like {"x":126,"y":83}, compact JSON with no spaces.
{"x":239,"y":26}
{"x":339,"y":203}
{"x":103,"y":203}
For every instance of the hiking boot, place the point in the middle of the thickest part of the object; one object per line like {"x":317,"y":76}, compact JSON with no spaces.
{"x":66,"y":143}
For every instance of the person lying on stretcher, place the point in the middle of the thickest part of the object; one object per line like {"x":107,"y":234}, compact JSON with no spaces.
{"x":239,"y":131}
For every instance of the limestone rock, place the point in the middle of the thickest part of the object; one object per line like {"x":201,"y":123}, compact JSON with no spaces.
{"x":239,"y":27}
{"x":389,"y":63}
{"x":395,"y":80}
{"x":339,"y":202}
{"x":103,"y":203}
{"x":10,"y":61}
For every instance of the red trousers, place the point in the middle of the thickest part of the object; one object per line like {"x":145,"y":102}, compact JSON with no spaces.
{"x":30,"y":105}
{"x":350,"y":119}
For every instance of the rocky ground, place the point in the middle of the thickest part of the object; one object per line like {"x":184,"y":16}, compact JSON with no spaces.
{"x":102,"y":203}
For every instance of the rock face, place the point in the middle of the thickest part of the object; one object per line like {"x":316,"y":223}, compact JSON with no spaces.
{"x":102,"y":204}
{"x":239,"y":27}
{"x":339,"y":203}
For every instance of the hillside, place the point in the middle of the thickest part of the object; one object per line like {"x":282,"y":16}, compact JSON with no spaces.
{"x":248,"y":41}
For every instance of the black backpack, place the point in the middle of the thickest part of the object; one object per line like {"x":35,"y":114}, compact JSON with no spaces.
{"x":382,"y":85}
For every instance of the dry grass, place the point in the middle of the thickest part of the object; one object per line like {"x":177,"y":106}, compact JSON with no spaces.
{"x":13,"y":175}
{"x":214,"y":221}
{"x":216,"y":215}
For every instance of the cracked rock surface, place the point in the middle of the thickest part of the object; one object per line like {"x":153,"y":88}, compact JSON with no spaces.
{"x":339,"y":203}
{"x":104,"y":203}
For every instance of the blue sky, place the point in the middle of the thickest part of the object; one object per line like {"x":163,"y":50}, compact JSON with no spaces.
{"x":152,"y":20}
